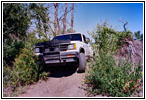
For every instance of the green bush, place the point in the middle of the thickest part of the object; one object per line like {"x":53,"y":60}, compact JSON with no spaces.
{"x":9,"y":77}
{"x":11,"y":50}
{"x":105,"y":76}
{"x":107,"y":39}
{"x":27,"y":65}
{"x":26,"y":68}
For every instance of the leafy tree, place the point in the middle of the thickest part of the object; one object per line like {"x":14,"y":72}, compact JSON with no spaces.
{"x":40,"y":17}
{"x":15,"y":20}
{"x":138,"y":36}
{"x":15,"y":24}
{"x":141,"y":36}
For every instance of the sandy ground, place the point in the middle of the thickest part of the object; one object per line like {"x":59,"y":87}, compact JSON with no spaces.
{"x":62,"y":82}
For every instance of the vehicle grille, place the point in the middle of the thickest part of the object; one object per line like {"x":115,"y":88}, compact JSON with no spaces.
{"x":51,"y":56}
{"x":53,"y":52}
{"x":63,"y":47}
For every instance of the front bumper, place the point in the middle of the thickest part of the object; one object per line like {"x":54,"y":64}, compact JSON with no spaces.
{"x":61,"y":57}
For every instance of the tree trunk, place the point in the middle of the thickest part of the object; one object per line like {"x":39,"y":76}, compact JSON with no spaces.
{"x":64,"y":20}
{"x":72,"y":17}
{"x":58,"y":26}
{"x":125,"y":29}
{"x":56,"y":17}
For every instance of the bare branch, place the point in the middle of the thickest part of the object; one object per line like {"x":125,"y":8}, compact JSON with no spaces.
{"x":64,"y":19}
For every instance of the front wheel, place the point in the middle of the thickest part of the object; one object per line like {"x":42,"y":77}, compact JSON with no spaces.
{"x":82,"y":62}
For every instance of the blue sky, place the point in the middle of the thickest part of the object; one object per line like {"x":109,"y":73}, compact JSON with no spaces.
{"x":88,"y":15}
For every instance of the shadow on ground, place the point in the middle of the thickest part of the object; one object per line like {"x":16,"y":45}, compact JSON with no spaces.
{"x":60,"y":71}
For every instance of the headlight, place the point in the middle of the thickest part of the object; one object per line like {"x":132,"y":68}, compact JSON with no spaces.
{"x":36,"y":50}
{"x":71,"y":46}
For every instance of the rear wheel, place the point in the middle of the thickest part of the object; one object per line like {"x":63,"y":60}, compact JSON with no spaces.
{"x":82,"y":62}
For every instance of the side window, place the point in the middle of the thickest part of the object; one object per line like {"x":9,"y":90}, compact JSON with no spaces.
{"x":84,"y":38}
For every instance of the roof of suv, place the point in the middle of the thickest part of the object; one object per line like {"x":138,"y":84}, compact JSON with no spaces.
{"x":69,"y":33}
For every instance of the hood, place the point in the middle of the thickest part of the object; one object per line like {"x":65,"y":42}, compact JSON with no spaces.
{"x":52,"y":43}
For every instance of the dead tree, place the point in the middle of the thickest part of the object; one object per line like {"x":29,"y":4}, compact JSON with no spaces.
{"x":56,"y":17}
{"x":56,"y":20}
{"x":58,"y":26}
{"x":64,"y":19}
{"x":124,"y":26}
{"x":72,"y":17}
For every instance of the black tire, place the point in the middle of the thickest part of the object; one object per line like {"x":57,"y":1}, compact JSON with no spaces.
{"x":82,"y":62}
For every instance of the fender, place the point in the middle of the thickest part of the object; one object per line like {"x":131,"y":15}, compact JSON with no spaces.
{"x":82,"y":50}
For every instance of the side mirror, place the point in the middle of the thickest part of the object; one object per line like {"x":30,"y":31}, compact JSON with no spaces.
{"x":87,"y":40}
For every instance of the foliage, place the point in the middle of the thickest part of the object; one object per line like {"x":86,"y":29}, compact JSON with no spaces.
{"x":19,"y":67}
{"x":26,"y":68}
{"x":15,"y":25}
{"x":39,"y":14}
{"x":9,"y":77}
{"x":70,"y":31}
{"x":107,"y":40}
{"x":11,"y":50}
{"x":15,"y":20}
{"x":26,"y":65}
{"x":105,"y":76}
{"x":138,"y":36}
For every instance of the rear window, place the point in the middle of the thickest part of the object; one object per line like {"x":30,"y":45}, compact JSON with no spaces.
{"x":72,"y":37}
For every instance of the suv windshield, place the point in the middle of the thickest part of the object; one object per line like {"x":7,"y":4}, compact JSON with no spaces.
{"x":72,"y":37}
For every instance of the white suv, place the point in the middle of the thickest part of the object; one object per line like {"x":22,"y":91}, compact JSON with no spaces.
{"x":65,"y":49}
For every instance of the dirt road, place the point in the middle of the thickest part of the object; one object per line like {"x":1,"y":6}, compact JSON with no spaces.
{"x":62,"y":82}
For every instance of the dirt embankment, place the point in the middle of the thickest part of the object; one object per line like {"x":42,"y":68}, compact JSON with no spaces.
{"x":135,"y":48}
